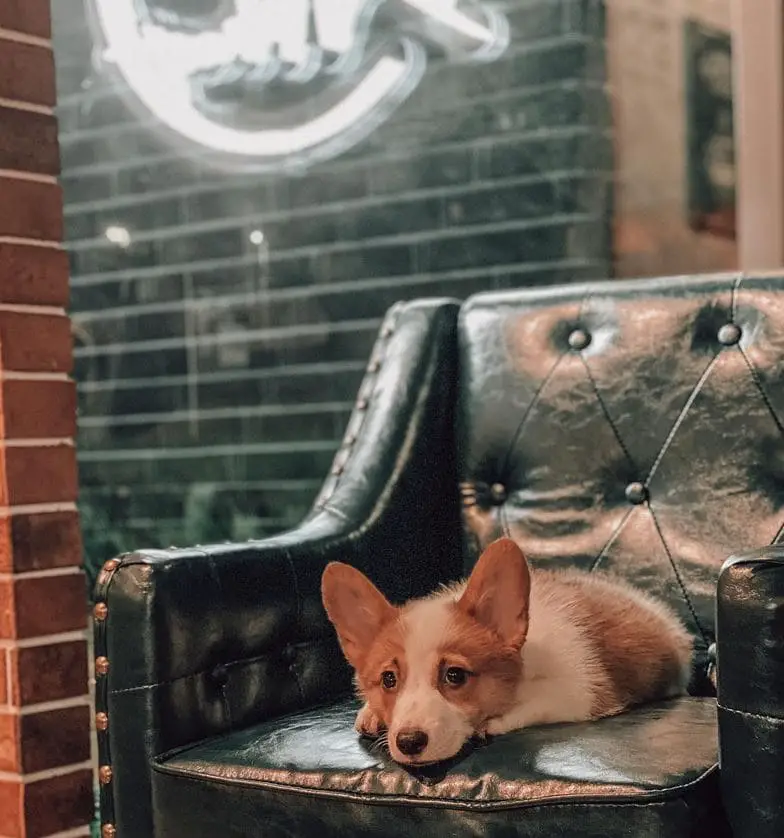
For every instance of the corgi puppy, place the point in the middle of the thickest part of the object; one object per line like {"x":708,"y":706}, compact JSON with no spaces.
{"x":507,"y":649}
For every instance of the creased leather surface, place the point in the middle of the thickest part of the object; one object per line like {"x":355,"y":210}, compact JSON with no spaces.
{"x":654,"y":398}
{"x":651,"y":752}
{"x":750,"y":622}
{"x":207,"y":640}
{"x":191,"y":810}
{"x":648,"y":772}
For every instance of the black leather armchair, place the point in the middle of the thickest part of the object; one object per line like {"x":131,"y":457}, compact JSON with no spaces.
{"x":631,"y":426}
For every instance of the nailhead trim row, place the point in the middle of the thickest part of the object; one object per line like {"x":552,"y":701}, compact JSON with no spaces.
{"x":364,"y":399}
{"x":102,"y":668}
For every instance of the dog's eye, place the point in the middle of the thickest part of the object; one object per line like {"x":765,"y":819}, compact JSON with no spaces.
{"x":389,"y":680}
{"x":455,"y":676}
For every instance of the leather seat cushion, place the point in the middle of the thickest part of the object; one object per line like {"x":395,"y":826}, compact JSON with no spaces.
{"x":649,"y":772}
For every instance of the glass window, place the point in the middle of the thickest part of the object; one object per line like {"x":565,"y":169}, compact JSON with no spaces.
{"x":250,"y":184}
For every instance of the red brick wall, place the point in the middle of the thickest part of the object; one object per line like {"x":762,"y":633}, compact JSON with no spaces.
{"x":45,"y":769}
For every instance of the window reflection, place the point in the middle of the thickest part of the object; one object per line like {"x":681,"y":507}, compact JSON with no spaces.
{"x":232,"y":254}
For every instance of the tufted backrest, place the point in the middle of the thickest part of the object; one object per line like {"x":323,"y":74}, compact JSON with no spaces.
{"x":633,"y":427}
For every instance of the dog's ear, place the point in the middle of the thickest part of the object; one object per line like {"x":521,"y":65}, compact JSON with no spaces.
{"x":499,"y":590}
{"x":356,"y":608}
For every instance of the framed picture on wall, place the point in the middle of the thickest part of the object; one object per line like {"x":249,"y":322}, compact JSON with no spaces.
{"x":710,"y":155}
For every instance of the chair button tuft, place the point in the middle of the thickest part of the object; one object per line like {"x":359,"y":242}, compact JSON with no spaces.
{"x":636,"y":493}
{"x":498,"y":493}
{"x":729,"y":334}
{"x":579,"y":339}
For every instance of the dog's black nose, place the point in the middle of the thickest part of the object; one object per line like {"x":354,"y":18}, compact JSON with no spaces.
{"x":411,"y":742}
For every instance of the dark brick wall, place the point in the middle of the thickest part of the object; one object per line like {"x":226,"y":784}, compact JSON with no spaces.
{"x":216,"y":376}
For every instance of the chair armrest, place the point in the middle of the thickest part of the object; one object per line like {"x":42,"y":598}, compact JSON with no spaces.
{"x":750,"y":646}
{"x":195,"y":642}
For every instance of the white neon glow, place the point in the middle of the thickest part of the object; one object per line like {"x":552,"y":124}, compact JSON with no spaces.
{"x":256,"y":237}
{"x":157,"y":65}
{"x":118,"y":235}
{"x":446,"y":13}
{"x":166,"y":91}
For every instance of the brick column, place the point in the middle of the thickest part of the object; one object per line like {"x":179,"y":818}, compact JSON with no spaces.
{"x":45,"y":769}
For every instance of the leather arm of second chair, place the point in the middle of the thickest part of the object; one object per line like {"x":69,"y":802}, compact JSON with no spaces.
{"x":750,"y":642}
{"x":194,"y":642}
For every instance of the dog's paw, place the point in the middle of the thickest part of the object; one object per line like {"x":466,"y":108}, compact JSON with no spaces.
{"x":500,"y":725}
{"x":368,"y":723}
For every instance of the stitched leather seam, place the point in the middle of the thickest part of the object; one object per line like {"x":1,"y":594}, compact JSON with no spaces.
{"x":535,"y":400}
{"x":298,"y":595}
{"x":356,"y":425}
{"x":606,"y":413}
{"x":223,"y":687}
{"x":504,"y":518}
{"x":734,"y":297}
{"x":239,"y":661}
{"x":613,"y":536}
{"x":502,"y":513}
{"x":526,"y":414}
{"x":681,"y":417}
{"x":637,"y":798}
{"x":778,"y":535}
{"x":758,"y":383}
{"x":746,"y":714}
{"x":616,"y":433}
{"x":654,"y":468}
{"x":678,"y":576}
{"x":755,"y":377}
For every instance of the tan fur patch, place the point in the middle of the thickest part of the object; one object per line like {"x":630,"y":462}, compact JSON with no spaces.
{"x":386,"y":653}
{"x":641,"y":647}
{"x":497,"y":669}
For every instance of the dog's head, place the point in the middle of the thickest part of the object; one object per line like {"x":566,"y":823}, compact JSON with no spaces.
{"x":435,"y":670}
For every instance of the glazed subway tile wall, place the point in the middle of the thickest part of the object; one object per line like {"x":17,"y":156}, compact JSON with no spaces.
{"x":242,"y":208}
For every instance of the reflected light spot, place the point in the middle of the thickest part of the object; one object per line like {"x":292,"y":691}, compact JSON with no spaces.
{"x":118,"y":235}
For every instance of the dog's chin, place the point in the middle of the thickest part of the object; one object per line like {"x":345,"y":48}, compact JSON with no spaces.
{"x":416,"y":762}
{"x":426,"y":766}
{"x":432,"y":772}
{"x":412,"y":763}
{"x":447,"y":759}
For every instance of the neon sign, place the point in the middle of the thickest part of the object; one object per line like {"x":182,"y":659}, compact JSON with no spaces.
{"x":282,"y":83}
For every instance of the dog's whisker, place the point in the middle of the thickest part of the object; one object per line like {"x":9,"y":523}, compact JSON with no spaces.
{"x":381,"y":745}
